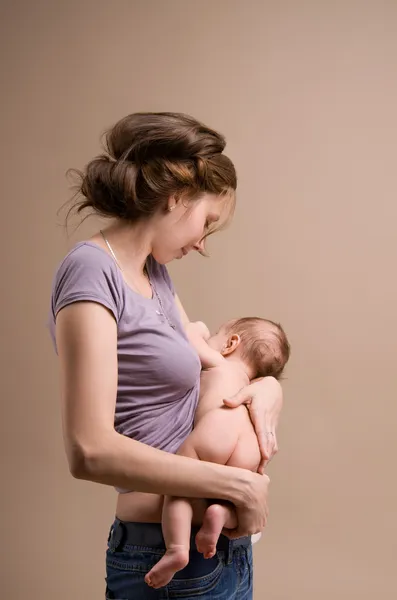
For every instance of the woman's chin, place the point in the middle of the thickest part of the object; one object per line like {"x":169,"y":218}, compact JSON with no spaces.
{"x":163,"y":259}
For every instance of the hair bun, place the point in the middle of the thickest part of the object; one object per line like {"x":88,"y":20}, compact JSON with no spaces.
{"x":106,"y":187}
{"x":142,"y":137}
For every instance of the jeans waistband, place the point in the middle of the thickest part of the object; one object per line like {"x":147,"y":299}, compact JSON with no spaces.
{"x":150,"y":535}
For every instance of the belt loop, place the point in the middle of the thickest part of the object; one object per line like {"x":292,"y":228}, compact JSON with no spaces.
{"x":116,"y":536}
{"x":229,"y":552}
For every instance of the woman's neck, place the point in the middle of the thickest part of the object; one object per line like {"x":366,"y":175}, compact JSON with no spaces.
{"x":131,"y":244}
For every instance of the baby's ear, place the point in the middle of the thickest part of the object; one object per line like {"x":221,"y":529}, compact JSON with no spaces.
{"x":231,"y":345}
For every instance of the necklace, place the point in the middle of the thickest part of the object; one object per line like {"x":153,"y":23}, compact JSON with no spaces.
{"x":160,"y":312}
{"x":110,"y":249}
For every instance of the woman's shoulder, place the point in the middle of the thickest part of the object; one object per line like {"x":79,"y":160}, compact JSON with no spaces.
{"x":87,"y":272}
{"x":87,"y":254}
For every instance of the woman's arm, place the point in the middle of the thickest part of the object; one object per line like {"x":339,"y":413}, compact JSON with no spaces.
{"x":86,"y":336}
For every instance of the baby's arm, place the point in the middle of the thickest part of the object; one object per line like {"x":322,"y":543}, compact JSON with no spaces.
{"x":198,"y":334}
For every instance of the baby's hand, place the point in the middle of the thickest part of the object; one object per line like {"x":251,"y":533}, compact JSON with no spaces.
{"x":199,"y":328}
{"x":199,"y":336}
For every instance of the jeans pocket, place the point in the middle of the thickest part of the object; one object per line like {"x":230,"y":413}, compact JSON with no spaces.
{"x":180,"y":587}
{"x":125,"y":572}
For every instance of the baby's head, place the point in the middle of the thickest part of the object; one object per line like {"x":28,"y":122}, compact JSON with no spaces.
{"x":260,"y":344}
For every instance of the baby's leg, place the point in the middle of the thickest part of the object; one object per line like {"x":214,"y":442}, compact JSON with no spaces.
{"x":245,"y":455}
{"x":216,"y":439}
{"x":216,"y":517}
{"x":176,"y":525}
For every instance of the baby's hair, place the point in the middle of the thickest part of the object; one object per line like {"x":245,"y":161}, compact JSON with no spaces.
{"x":264,"y":345}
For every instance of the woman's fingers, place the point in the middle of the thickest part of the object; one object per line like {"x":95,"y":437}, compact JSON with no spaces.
{"x":252,"y":514}
{"x":242,"y":397}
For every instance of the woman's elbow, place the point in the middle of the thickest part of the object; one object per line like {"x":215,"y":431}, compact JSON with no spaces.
{"x":84,"y":460}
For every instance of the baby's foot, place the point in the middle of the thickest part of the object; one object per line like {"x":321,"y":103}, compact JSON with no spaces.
{"x":207,"y":536}
{"x":174,"y":560}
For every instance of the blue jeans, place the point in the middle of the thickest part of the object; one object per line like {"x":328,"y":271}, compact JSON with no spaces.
{"x":226,"y":576}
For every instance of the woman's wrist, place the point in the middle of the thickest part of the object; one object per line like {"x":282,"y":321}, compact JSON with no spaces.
{"x":211,"y":480}
{"x":201,"y":479}
{"x":233,"y":484}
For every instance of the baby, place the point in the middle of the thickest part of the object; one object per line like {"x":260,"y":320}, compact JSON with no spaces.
{"x":242,"y":350}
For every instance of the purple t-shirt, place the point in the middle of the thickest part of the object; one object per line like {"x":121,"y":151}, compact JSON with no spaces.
{"x":158,"y":369}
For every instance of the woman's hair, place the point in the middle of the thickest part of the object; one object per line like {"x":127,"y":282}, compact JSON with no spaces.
{"x":149,"y":158}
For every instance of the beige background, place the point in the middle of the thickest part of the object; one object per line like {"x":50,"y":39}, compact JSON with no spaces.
{"x":306,"y":92}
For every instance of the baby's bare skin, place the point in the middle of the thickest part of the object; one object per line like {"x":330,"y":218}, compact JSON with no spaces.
{"x":220,"y":435}
{"x":215,"y":384}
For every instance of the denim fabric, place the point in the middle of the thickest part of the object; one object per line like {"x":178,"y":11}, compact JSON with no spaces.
{"x":226,"y":576}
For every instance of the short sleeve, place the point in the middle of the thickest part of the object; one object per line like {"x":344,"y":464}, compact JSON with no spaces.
{"x":87,"y":273}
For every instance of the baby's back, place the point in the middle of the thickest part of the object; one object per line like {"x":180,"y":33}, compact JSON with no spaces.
{"x":223,"y":435}
{"x":218,"y":383}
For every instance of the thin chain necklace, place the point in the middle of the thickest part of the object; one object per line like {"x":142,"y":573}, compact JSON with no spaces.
{"x":110,"y":249}
{"x":160,"y":312}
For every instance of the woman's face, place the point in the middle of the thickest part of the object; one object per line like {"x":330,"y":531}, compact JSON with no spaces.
{"x":182,"y":229}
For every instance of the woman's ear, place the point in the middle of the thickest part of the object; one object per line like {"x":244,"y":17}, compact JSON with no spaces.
{"x":171,"y":206}
{"x":232,"y":343}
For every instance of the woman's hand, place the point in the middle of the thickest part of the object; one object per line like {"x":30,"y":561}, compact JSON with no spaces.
{"x":251,"y":509}
{"x":264,"y":400}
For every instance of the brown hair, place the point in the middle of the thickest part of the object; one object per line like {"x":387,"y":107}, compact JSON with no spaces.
{"x":264,"y":345}
{"x":151,"y":157}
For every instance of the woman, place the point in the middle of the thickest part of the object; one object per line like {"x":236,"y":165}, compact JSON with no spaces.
{"x":129,"y":378}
